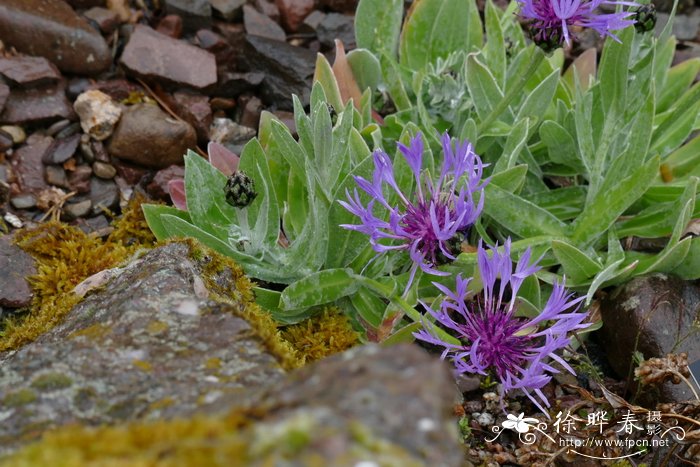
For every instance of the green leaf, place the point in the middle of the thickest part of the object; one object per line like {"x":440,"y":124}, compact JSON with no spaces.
{"x":495,"y":49}
{"x":538,"y":101}
{"x":514,"y":144}
{"x":689,"y":268}
{"x":377,"y":25}
{"x":435,"y":28}
{"x":679,"y":78}
{"x":153,"y":213}
{"x":675,"y":129}
{"x":564,"y":203}
{"x":576,"y":264}
{"x":325,"y":76}
{"x":614,"y":68}
{"x":520,"y":216}
{"x":319,"y":288}
{"x":394,"y":82}
{"x":365,"y":68}
{"x":269,"y":300}
{"x":684,"y":161}
{"x":369,"y":307}
{"x":611,"y":201}
{"x":482,"y":87}
{"x":510,"y":180}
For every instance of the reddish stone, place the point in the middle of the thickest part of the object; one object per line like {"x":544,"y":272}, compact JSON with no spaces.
{"x":117,"y":89}
{"x":130,"y":173}
{"x":268,"y":8}
{"x":37,"y":105}
{"x":79,"y":179}
{"x":51,"y":29}
{"x":251,"y":112}
{"x":195,"y":110}
{"x":342,"y":6}
{"x":62,"y":149}
{"x":158,"y":188}
{"x":170,"y":25}
{"x":149,"y":54}
{"x":27,"y":163}
{"x":4,"y":94}
{"x":293,"y":12}
{"x":15,"y":266}
{"x":29,"y":71}
{"x":107,"y":20}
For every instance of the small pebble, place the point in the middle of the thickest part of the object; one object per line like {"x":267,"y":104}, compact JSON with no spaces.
{"x":25,"y":201}
{"x":98,"y":113}
{"x":104,"y":170}
{"x":17,"y":133}
{"x":56,"y":127}
{"x":56,"y":176}
{"x":13,"y":220}
{"x":68,"y":131}
{"x":484,"y":419}
{"x":72,"y":211}
{"x":4,"y":192}
{"x":5,"y":141}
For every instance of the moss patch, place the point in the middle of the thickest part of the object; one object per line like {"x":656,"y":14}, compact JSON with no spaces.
{"x":65,"y":257}
{"x":52,"y":382}
{"x":325,"y":334}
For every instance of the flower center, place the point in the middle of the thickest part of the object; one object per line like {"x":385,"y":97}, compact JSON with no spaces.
{"x":418,"y":225}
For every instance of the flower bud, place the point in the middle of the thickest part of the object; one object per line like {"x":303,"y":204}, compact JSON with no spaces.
{"x":239,"y":190}
{"x":645,"y":18}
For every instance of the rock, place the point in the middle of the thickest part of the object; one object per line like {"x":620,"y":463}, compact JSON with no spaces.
{"x":230,"y":134}
{"x":132,"y":174}
{"x":268,"y":8}
{"x":152,"y":55}
{"x":27,"y":163}
{"x":655,"y":315}
{"x":149,"y":344}
{"x":79,"y":179}
{"x":195,"y":14}
{"x":16,"y":132}
{"x":336,"y":26}
{"x":99,"y":152}
{"x":104,"y":170}
{"x":158,"y":188}
{"x":149,"y":137}
{"x":104,"y":194}
{"x":51,"y":29}
{"x":685,"y":27}
{"x":29,"y":71}
{"x":55,"y":175}
{"x":217,"y":45}
{"x":251,"y":113}
{"x":287,"y":69}
{"x":118,"y":89}
{"x":171,"y":26}
{"x":71,"y":130}
{"x":4,"y":191}
{"x":4,"y":94}
{"x":37,"y":105}
{"x":222,"y":103}
{"x":195,"y":110}
{"x":107,"y":20}
{"x":98,"y":114}
{"x":61,"y":150}
{"x":77,"y":86}
{"x":260,"y":25}
{"x":72,"y":211}
{"x":342,"y":6}
{"x":232,"y":84}
{"x":5,"y":141}
{"x":228,"y":9}
{"x":82,"y":4}
{"x":23,"y":201}
{"x":293,"y":12}
{"x":57,"y":127}
{"x":15,"y":267}
{"x":312,"y":22}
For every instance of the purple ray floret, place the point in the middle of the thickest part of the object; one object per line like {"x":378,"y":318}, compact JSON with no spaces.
{"x":551,"y":19}
{"x":518,"y":351}
{"x":424,"y":221}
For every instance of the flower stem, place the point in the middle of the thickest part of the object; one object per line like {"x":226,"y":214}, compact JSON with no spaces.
{"x":406,"y":308}
{"x":536,"y":58}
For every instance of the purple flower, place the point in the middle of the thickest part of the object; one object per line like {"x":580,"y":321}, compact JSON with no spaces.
{"x":551,"y":19}
{"x":424,"y":221}
{"x":517,"y":351}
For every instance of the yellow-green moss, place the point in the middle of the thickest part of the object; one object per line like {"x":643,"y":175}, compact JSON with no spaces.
{"x":65,"y":257}
{"x":52,"y":381}
{"x":143,"y":366}
{"x":19,"y":398}
{"x":325,"y":334}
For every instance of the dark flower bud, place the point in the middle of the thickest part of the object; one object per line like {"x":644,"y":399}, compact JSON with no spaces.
{"x":239,"y":190}
{"x":333,"y":114}
{"x":645,"y":18}
{"x":548,"y":39}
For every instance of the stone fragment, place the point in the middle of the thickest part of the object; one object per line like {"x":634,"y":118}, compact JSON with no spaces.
{"x":36,"y":105}
{"x":293,"y":12}
{"x":106,"y":19}
{"x":119,"y":89}
{"x":61,"y":150}
{"x":268,"y":8}
{"x":232,"y":84}
{"x":57,"y":127}
{"x":195,"y":14}
{"x":72,"y":211}
{"x":171,"y":26}
{"x":260,"y":25}
{"x":98,"y":114}
{"x":131,"y":174}
{"x":4,"y":192}
{"x":336,"y":26}
{"x":55,"y":175}
{"x":655,"y":315}
{"x":150,"y":344}
{"x":342,"y":6}
{"x":195,"y":110}
{"x":23,"y":201}
{"x":104,"y":170}
{"x":104,"y":194}
{"x":16,"y":132}
{"x":5,"y":141}
{"x":251,"y":112}
{"x":79,"y":179}
{"x":152,"y":55}
{"x":15,"y":267}
{"x":228,"y":9}
{"x":149,"y":137}
{"x":51,"y":29}
{"x":27,"y":163}
{"x":29,"y":71}
{"x":158,"y":188}
{"x":312,"y":22}
{"x":230,"y":134}
{"x":287,"y":69}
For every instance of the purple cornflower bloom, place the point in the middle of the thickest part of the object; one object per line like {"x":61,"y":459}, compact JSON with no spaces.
{"x":424,"y":222}
{"x":493,"y":339}
{"x":553,"y":18}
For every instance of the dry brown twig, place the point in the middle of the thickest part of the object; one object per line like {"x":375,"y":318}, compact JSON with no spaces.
{"x":673,"y":367}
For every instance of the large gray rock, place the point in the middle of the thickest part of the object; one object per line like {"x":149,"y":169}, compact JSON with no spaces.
{"x":51,"y":29}
{"x":150,"y":344}
{"x":655,"y":315}
{"x":15,"y":267}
